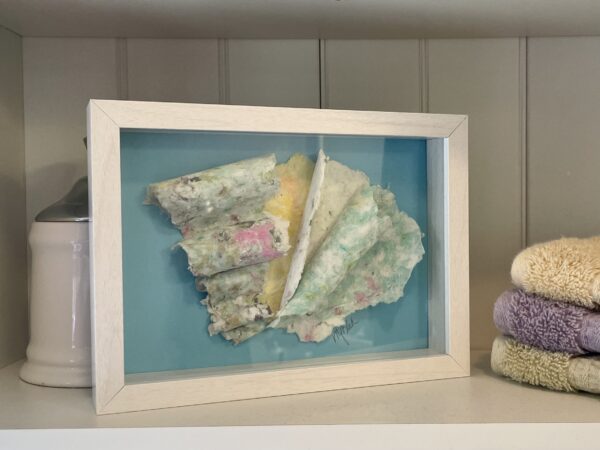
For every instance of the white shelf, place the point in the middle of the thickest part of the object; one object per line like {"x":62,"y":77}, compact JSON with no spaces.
{"x":481,"y":398}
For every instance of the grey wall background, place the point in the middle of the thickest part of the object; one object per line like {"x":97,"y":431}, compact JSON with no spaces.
{"x":533,"y":106}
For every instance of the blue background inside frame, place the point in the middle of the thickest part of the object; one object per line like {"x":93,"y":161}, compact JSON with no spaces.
{"x":165,"y":326}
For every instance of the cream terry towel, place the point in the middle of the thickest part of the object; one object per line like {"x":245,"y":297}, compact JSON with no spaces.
{"x":566,"y":269}
{"x":553,"y":370}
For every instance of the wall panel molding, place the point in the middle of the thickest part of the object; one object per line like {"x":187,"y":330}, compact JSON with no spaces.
{"x":223,"y":67}
{"x":424,"y":74}
{"x":323,"y":93}
{"x":563,"y":152}
{"x":523,"y":135}
{"x":122,"y":70}
{"x":173,"y":70}
{"x":60,"y":76}
{"x":381,"y":75}
{"x":274,"y":72}
{"x":482,"y":78}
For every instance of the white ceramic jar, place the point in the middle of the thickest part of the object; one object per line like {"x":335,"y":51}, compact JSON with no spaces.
{"x":59,"y":352}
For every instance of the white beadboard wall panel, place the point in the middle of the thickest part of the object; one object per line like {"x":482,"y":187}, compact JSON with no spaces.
{"x":60,"y":76}
{"x":273,"y":72}
{"x":563,"y":142}
{"x":484,"y":78}
{"x":382,"y":75}
{"x":173,"y":70}
{"x":13,"y":246}
{"x":480,"y":77}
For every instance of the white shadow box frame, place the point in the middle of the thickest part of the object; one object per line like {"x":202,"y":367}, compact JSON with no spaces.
{"x":448,"y":309}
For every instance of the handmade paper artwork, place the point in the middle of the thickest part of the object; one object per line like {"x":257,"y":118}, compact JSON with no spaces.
{"x":298,"y":245}
{"x":241,"y":252}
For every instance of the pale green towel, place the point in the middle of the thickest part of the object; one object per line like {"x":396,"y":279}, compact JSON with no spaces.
{"x":553,"y":370}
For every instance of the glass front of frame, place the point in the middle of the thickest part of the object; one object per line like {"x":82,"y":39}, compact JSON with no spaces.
{"x":167,"y":319}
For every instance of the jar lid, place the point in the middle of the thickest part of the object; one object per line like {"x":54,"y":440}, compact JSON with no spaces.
{"x":73,"y":207}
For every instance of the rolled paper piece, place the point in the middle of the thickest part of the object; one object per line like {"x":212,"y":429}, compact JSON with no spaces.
{"x":213,"y":194}
{"x":241,"y":334}
{"x":566,"y":269}
{"x":547,"y":324}
{"x":238,"y":297}
{"x":200,"y":225}
{"x":333,"y":185}
{"x":553,"y":370}
{"x":246,"y":281}
{"x":379,"y":276}
{"x":244,"y":309}
{"x":236,"y":246}
{"x":354,"y":233}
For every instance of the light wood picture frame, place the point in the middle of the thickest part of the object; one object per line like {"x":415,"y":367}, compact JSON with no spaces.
{"x":447,"y":175}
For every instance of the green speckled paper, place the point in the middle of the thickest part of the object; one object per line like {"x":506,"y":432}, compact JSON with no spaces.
{"x":379,"y":276}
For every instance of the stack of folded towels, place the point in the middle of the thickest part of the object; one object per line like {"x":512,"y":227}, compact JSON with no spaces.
{"x":551,"y":321}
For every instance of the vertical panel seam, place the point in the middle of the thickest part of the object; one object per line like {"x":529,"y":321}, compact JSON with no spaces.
{"x":223,"y":70}
{"x":523,"y":139}
{"x":27,"y":193}
{"x":424,"y":75}
{"x":23,"y":180}
{"x":323,"y":101}
{"x":24,"y":137}
{"x":122,"y":69}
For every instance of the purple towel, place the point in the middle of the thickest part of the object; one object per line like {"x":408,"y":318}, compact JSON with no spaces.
{"x":547,"y":324}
